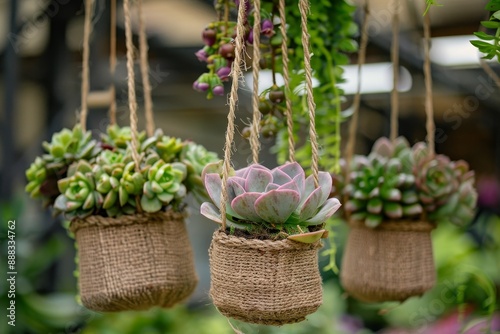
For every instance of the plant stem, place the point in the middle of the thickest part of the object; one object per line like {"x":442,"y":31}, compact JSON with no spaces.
{"x":337,"y":115}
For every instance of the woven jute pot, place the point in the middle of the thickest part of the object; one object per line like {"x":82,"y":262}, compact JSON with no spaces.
{"x":263,"y":281}
{"x":391,"y":262}
{"x":134,"y":262}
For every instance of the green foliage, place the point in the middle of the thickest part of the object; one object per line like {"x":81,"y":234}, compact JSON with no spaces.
{"x":331,"y":29}
{"x":488,"y":44}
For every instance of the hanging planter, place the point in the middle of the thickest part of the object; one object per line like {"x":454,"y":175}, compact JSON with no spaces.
{"x":134,"y":262}
{"x":124,"y":197}
{"x":395,"y":197}
{"x":264,"y":281}
{"x":391,"y":262}
{"x":263,"y":260}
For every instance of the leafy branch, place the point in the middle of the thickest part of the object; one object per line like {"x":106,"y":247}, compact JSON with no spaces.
{"x":488,"y":44}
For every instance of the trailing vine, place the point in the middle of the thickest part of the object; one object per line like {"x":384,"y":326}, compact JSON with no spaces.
{"x":331,"y":30}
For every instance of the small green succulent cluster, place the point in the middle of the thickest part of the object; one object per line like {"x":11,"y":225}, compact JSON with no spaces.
{"x":89,"y":178}
{"x":396,"y":181}
{"x":65,"y":148}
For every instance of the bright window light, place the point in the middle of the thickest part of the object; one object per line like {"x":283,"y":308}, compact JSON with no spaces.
{"x":375,"y":78}
{"x":455,"y":51}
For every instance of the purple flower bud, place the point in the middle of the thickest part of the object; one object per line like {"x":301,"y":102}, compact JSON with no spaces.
{"x":250,"y":37}
{"x":202,"y":55}
{"x":203,"y":86}
{"x":195,"y":85}
{"x":224,"y":72}
{"x":218,"y":90}
{"x":208,"y":36}
{"x":267,"y":27}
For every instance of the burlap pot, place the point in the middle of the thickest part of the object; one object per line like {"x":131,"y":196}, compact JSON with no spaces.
{"x":134,"y":262}
{"x":389,"y":263}
{"x":264,"y":282}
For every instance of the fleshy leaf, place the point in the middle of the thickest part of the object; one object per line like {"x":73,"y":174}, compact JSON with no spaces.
{"x":280,"y":177}
{"x":235,"y":187}
{"x":244,"y":205}
{"x":374,"y":206}
{"x":213,"y":186}
{"x":257,"y":180}
{"x":211,"y":212}
{"x":311,"y":205}
{"x":307,"y":238}
{"x":277,"y":205}
{"x":326,"y":211}
{"x":373,"y":220}
{"x":393,"y":210}
{"x":150,"y":204}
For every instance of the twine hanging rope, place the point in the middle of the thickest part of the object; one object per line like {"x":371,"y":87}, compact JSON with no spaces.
{"x":429,"y":111}
{"x":395,"y":72}
{"x":254,"y":135}
{"x":112,"y":61}
{"x":286,"y":79}
{"x":144,"y":64}
{"x":304,"y":11}
{"x":233,"y":101}
{"x":132,"y":101}
{"x":353,"y":126}
{"x":87,"y":30}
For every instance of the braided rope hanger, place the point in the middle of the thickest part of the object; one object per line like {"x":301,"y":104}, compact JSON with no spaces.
{"x":233,"y":99}
{"x":395,"y":73}
{"x":353,"y":126}
{"x":102,"y":98}
{"x":98,"y":99}
{"x":87,"y":30}
{"x":286,"y":80}
{"x":132,"y":100}
{"x":429,"y":110}
{"x":254,"y":134}
{"x":304,"y":8}
{"x":144,"y":64}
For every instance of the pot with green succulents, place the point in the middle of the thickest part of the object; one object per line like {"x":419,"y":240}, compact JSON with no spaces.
{"x":127,"y":216}
{"x":395,"y":197}
{"x":264,"y":265}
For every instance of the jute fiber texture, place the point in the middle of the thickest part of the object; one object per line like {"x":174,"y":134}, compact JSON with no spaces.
{"x":389,"y":263}
{"x":134,"y":262}
{"x":264,"y":281}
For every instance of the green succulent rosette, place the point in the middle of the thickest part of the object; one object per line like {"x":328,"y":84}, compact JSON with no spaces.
{"x":445,"y":188}
{"x":119,"y":186}
{"x":120,"y":137}
{"x":79,"y":197}
{"x":68,"y":146}
{"x":163,"y":186}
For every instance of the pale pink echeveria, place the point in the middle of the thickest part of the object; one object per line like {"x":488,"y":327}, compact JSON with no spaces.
{"x":274,"y":197}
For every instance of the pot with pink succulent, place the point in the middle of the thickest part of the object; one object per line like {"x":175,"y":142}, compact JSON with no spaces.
{"x":264,"y":257}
